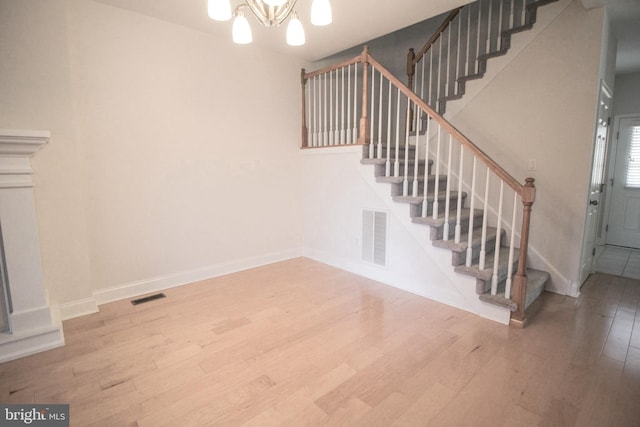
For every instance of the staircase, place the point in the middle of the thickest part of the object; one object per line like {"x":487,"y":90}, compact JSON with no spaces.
{"x":483,"y":272}
{"x":461,"y":46}
{"x":472,"y":206}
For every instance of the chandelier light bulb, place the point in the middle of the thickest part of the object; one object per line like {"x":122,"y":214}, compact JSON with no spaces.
{"x":321,"y":12}
{"x":274,"y":2}
{"x":219,"y":10}
{"x":241,"y":30}
{"x":295,"y":32}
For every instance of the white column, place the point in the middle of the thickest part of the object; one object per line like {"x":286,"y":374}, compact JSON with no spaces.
{"x":31,"y":326}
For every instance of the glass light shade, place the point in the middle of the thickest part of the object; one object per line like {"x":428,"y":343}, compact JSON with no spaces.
{"x":295,"y":32}
{"x":241,"y":30}
{"x":275,"y":2}
{"x":219,"y":10}
{"x":321,"y":12}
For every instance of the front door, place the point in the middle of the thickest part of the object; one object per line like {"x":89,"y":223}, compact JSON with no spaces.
{"x":593,"y":225}
{"x":624,"y":217}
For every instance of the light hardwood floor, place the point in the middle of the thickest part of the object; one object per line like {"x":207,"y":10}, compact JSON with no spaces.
{"x":301,"y":343}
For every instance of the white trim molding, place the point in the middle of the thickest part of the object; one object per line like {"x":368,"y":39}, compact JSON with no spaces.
{"x":32,"y":327}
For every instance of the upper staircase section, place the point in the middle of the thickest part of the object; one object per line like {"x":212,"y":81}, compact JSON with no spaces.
{"x":459,"y":49}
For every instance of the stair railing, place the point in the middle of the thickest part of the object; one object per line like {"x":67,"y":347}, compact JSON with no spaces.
{"x":458,"y":50}
{"x":351,"y":104}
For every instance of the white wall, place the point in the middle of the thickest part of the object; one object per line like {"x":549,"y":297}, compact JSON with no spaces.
{"x":173,"y":152}
{"x":626,"y":99}
{"x":542,"y":107}
{"x":337,"y":190}
{"x":36,"y":87}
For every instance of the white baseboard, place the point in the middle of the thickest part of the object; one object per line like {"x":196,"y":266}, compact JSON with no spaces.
{"x":17,"y":345}
{"x":78,"y":308}
{"x":85,"y":306}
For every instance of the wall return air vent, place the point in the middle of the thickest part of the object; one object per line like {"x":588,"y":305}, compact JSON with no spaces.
{"x":374,"y":237}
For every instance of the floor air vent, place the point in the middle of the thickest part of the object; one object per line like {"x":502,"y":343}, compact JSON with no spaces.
{"x":147,"y":299}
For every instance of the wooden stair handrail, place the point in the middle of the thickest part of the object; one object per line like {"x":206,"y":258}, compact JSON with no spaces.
{"x":413,"y":58}
{"x":491,"y":164}
{"x":333,"y":67}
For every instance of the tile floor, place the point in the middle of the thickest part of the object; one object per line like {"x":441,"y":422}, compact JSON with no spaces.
{"x":618,"y":261}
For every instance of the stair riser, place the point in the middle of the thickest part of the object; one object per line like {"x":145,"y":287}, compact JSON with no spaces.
{"x":436,"y":233}
{"x":453,"y":204}
{"x":460,"y":257}
{"x":381,"y":170}
{"x":398,"y":189}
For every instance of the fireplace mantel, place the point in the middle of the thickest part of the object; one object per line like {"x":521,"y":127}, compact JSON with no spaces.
{"x":32,"y":326}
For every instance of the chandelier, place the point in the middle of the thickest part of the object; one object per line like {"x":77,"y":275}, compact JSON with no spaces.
{"x":270,"y":13}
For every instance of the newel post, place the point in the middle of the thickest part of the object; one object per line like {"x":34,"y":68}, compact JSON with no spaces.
{"x":520,"y":281}
{"x":303,"y":81}
{"x":364,"y":137}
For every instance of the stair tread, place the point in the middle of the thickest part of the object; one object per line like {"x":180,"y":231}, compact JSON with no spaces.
{"x":536,"y":280}
{"x":487,"y":273}
{"x":400,"y":179}
{"x":430,"y":221}
{"x":450,"y":244}
{"x":430,"y":198}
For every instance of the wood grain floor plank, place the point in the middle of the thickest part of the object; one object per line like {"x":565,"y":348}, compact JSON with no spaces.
{"x":302,"y":343}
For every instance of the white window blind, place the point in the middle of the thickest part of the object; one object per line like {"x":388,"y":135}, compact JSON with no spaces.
{"x":633,"y":159}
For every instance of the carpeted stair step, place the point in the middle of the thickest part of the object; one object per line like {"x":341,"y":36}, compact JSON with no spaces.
{"x":416,"y":202}
{"x":536,"y":282}
{"x":381,"y":166}
{"x":459,"y":250}
{"x":437,"y":225}
{"x":484,"y":276}
{"x":397,"y":184}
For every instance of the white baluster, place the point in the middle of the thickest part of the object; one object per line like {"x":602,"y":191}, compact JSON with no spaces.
{"x":405,"y":183}
{"x":485,"y":216}
{"x":459,"y":22}
{"x":512,"y":15}
{"x":439,"y":89}
{"x":447,"y":76}
{"x":315,"y":113}
{"x":349,"y":133}
{"x":445,"y":230}
{"x":309,"y":118}
{"x":468,"y":55}
{"x":489,"y":27}
{"x":417,"y":155}
{"x":343,"y":136}
{"x":458,"y":229}
{"x":426,"y":169}
{"x":436,"y":160}
{"x":507,"y":289}
{"x":496,"y":258}
{"x":387,"y":170}
{"x":336,"y":139}
{"x":330,"y":130}
{"x":325,"y":130}
{"x":379,"y":156}
{"x":478,"y":37}
{"x":422,"y":82}
{"x":431,"y":104}
{"x":372,"y":137}
{"x":396,"y":165}
{"x":500,"y":12}
{"x":355,"y":103}
{"x":471,"y":214}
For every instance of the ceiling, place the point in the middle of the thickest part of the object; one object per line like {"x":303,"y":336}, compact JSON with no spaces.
{"x":355,"y":22}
